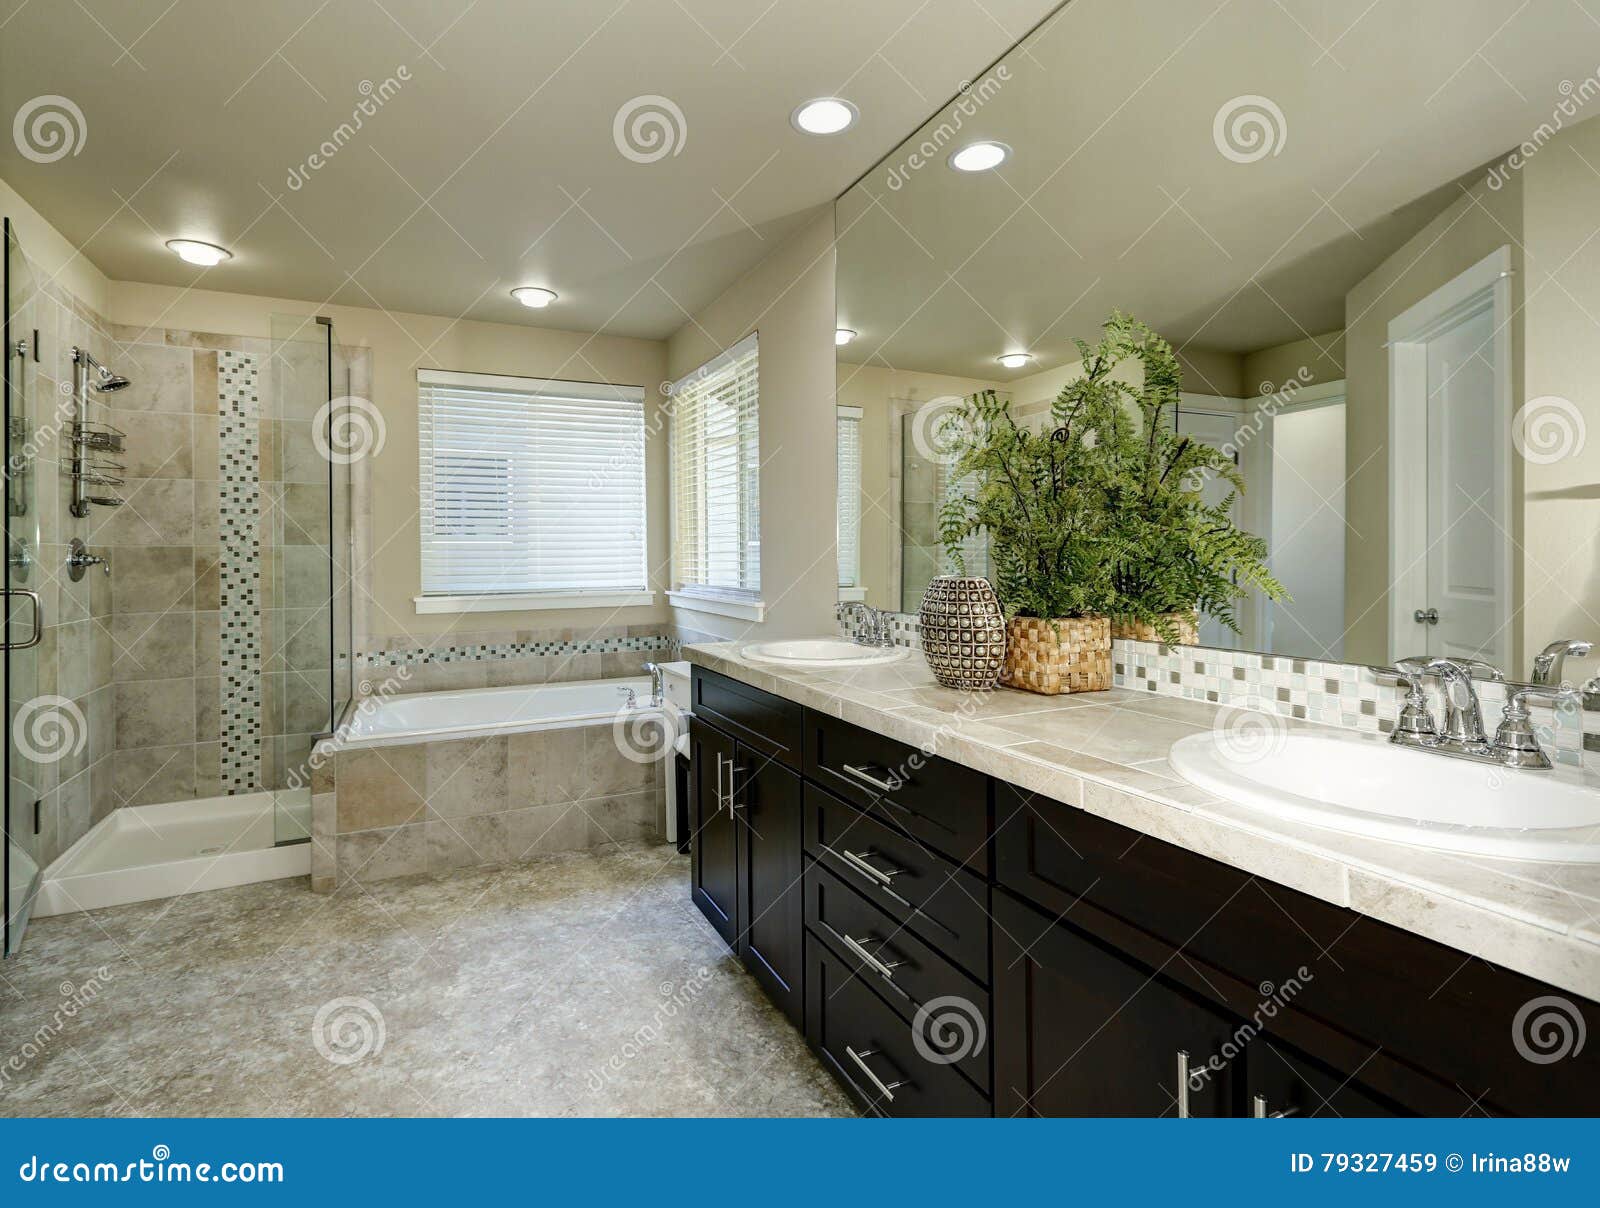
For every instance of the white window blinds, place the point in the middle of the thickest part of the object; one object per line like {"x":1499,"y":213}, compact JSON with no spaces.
{"x":716,"y":535}
{"x":849,"y":510}
{"x":530,"y":486}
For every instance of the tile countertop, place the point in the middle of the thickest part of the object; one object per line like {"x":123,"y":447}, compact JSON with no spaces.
{"x":1539,"y":919}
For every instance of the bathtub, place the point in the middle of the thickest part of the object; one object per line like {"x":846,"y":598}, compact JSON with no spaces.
{"x":438,"y":716}
{"x":436,"y":781}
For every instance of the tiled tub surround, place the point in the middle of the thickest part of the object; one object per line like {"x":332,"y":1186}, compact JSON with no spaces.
{"x":427,"y":806}
{"x":1347,"y":695}
{"x":497,"y":658}
{"x":1106,"y":753}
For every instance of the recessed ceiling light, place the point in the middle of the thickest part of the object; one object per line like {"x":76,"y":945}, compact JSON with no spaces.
{"x":196,"y":252}
{"x":1015,"y":360}
{"x":825,"y":115}
{"x":534,"y":296}
{"x":980,"y":157}
{"x":842,"y":336}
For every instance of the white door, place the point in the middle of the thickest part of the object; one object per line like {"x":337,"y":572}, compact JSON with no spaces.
{"x":1466,"y":536}
{"x":1308,"y":531}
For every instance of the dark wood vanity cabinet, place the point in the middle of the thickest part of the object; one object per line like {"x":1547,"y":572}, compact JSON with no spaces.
{"x":873,"y":891}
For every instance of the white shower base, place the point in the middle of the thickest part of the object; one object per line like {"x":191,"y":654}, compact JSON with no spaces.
{"x":141,"y":852}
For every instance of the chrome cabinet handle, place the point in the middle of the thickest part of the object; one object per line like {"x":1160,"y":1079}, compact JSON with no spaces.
{"x":38,"y":619}
{"x":867,"y":774}
{"x":733,"y":792}
{"x":1258,"y":1110}
{"x":723,"y":797}
{"x":887,"y":1090}
{"x":1183,"y":1084}
{"x":884,"y":969}
{"x":858,"y":861}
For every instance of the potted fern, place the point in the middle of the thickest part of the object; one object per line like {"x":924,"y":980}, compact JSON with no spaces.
{"x":1096,"y":520}
{"x":1039,"y":497}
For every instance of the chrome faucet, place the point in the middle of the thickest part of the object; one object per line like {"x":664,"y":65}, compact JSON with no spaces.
{"x":658,"y":688}
{"x":1549,"y":662}
{"x":1514,"y":746}
{"x":874,"y":627}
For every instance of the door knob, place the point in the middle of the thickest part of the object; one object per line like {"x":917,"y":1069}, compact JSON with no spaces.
{"x":1428,"y":616}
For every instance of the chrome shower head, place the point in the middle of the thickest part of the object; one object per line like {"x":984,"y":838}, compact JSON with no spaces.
{"x":109,"y":381}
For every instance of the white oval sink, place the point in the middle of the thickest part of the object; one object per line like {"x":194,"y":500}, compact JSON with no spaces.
{"x":816,"y":653}
{"x":1373,"y":788}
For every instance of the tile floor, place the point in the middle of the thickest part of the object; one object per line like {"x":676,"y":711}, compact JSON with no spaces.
{"x":583,"y":984}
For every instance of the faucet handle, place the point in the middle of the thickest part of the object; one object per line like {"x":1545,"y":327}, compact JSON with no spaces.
{"x":1515,"y":743}
{"x":1415,"y":725}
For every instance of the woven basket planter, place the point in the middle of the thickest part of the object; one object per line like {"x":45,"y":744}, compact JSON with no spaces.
{"x":1069,"y":654}
{"x":963,"y":632}
{"x":1184,"y":624}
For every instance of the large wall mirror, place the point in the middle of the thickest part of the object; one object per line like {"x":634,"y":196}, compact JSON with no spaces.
{"x":1372,"y":235}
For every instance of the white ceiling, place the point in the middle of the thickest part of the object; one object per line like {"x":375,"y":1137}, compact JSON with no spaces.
{"x":494,"y":164}
{"x":1117,"y":194}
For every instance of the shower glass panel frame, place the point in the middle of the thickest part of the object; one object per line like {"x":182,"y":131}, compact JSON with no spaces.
{"x":27,"y":771}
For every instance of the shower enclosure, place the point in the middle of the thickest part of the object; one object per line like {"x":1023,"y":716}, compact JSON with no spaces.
{"x":177,"y":591}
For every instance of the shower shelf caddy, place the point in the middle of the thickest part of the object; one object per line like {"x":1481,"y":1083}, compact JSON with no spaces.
{"x":91,"y":471}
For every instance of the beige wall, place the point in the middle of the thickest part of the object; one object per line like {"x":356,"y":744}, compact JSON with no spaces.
{"x":52,"y":253}
{"x":1268,"y":370}
{"x":1470,"y":229}
{"x":872,"y":388}
{"x":789,"y":300}
{"x":400,"y":345}
{"x":1560,"y":556}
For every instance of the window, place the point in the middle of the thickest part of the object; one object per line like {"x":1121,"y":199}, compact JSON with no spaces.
{"x":716,"y":533}
{"x":849,"y":511}
{"x":533,"y":493}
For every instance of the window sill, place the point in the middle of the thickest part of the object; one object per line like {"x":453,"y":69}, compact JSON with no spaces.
{"x":722,"y":606}
{"x":531,"y":601}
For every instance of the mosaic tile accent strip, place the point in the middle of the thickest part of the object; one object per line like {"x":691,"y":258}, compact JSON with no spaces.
{"x":487,"y":651}
{"x":239,"y":479}
{"x":1348,"y":695}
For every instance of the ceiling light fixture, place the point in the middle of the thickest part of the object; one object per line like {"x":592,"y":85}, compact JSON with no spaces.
{"x":980,"y":157}
{"x":1015,"y":360}
{"x":824,"y":115}
{"x":196,"y":252}
{"x":534,"y":295}
{"x":842,"y":336}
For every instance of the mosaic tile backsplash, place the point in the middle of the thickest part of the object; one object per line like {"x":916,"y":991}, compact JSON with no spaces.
{"x":481,"y":651}
{"x":239,"y":391}
{"x":1335,"y":694}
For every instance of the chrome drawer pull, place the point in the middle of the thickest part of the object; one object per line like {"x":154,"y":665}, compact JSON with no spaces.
{"x":1183,"y":1085}
{"x":858,"y":860}
{"x":887,"y":1090}
{"x":887,"y":783}
{"x":1258,"y":1110}
{"x":884,"y":969}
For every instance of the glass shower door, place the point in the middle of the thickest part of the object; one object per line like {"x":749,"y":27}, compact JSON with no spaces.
{"x":25,"y":767}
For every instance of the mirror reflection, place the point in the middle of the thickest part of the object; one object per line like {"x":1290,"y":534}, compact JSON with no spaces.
{"x":1368,"y":237}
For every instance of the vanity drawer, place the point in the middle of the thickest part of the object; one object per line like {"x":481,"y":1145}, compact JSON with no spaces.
{"x":869,"y":1047}
{"x":941,"y":902}
{"x":763,"y":722}
{"x":942,"y":803}
{"x":905,"y":971}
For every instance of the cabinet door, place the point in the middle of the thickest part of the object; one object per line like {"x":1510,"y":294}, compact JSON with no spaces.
{"x":1282,"y":1081}
{"x":1083,"y":1031}
{"x":713,"y":835}
{"x":767,"y":809}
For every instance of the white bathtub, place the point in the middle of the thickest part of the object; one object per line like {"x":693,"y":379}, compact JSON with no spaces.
{"x":436,"y":716}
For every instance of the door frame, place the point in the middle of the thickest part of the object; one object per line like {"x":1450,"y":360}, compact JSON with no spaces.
{"x":1409,"y":332}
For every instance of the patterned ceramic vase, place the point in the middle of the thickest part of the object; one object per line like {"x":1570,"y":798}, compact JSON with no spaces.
{"x":963,"y":632}
{"x":1068,"y":654}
